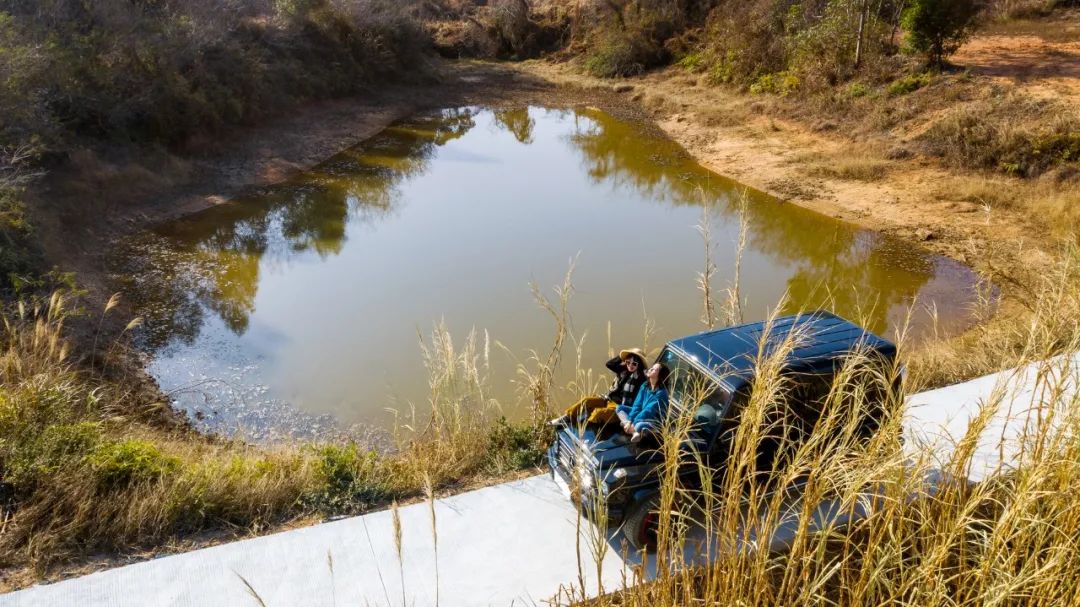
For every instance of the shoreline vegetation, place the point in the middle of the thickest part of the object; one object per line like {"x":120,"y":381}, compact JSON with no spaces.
{"x":96,"y":469}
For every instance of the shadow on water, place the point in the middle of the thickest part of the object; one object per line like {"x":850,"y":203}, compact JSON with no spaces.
{"x":290,"y":290}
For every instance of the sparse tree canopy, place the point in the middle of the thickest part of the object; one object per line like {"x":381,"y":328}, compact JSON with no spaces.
{"x":936,"y":28}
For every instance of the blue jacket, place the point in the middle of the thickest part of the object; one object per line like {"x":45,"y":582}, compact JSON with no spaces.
{"x":649,"y":408}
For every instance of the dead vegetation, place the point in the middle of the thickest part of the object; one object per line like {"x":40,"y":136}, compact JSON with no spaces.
{"x":503,"y":29}
{"x":82,"y":470}
{"x":88,"y":466}
{"x":922,"y":534}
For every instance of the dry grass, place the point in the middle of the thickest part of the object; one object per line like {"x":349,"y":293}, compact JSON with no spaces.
{"x":1027,"y":17}
{"x":920,"y":533}
{"x":1015,"y":134}
{"x":92,"y":481}
{"x":82,"y":472}
{"x":1052,"y":200}
{"x":923,"y":536}
{"x":1058,"y":205}
{"x":851,"y":169}
{"x":1041,"y":320}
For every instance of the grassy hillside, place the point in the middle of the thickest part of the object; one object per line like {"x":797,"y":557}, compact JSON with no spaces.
{"x":89,"y":464}
{"x":79,"y":74}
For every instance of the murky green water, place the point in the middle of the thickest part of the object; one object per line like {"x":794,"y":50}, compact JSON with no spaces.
{"x":299,"y":308}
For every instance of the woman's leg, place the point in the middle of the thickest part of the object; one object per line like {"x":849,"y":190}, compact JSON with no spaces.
{"x":605,"y":414}
{"x":584,"y":410}
{"x":643,"y":429}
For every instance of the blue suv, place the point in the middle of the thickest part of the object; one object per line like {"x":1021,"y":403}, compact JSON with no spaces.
{"x":711,"y":372}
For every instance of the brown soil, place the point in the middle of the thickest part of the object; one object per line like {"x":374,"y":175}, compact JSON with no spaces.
{"x":1040,"y":57}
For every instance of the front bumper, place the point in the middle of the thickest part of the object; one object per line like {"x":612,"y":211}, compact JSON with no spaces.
{"x":584,"y":495}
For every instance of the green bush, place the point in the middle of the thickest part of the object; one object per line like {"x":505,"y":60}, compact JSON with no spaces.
{"x":516,"y":446}
{"x":856,"y":90}
{"x":1055,"y":148}
{"x":119,"y":464}
{"x":936,"y":28}
{"x":348,"y":480}
{"x":910,"y":83}
{"x":780,"y":83}
{"x":297,"y":8}
{"x":693,"y":62}
{"x":20,"y":255}
{"x":619,"y":53}
{"x":55,"y":449}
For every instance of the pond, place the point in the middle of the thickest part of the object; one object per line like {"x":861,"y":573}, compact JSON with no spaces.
{"x":297,"y":309}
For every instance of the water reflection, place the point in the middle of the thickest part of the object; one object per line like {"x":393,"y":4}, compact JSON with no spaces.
{"x":295,"y":288}
{"x":516,"y":121}
{"x":859,"y":272}
{"x":212,"y":261}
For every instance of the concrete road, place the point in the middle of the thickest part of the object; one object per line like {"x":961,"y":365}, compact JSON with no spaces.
{"x":511,"y":544}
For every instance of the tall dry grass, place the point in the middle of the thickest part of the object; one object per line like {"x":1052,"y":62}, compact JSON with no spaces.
{"x":81,"y":474}
{"x":86,"y":467}
{"x":1040,"y":320}
{"x":903,"y":524}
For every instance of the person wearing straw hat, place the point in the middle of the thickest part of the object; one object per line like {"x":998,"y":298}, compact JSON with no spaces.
{"x":629,"y":370}
{"x":645,"y":416}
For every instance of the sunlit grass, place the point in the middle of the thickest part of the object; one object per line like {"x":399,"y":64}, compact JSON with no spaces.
{"x":923,"y":534}
{"x":89,"y":470}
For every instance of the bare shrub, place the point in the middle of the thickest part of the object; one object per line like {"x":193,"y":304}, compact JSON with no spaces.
{"x":1007,"y":134}
{"x":165,"y":71}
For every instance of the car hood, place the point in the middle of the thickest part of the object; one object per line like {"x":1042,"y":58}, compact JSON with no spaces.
{"x":613,"y":451}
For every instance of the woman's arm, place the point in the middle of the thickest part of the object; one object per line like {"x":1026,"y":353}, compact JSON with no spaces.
{"x":615,"y":365}
{"x":652,"y":410}
{"x":641,"y":404}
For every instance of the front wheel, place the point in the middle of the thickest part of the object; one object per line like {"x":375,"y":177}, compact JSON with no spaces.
{"x":641,"y":523}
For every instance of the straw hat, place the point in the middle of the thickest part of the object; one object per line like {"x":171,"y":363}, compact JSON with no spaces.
{"x":638,"y":352}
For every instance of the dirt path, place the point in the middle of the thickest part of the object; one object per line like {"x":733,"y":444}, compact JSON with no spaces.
{"x":1038,"y":57}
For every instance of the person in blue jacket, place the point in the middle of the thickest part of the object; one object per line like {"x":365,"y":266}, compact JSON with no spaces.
{"x":646,"y":415}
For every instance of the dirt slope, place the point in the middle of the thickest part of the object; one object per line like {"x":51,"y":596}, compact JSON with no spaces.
{"x":1041,"y":58}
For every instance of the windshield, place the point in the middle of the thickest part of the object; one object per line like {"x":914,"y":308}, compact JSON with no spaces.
{"x":693,"y":391}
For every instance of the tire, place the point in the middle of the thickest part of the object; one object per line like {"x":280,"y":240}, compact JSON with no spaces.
{"x":639,"y":526}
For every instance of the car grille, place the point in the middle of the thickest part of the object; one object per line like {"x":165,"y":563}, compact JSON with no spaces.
{"x":566,"y":454}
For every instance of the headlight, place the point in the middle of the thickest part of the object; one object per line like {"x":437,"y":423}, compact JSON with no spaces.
{"x":619,"y":474}
{"x":585,"y":478}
